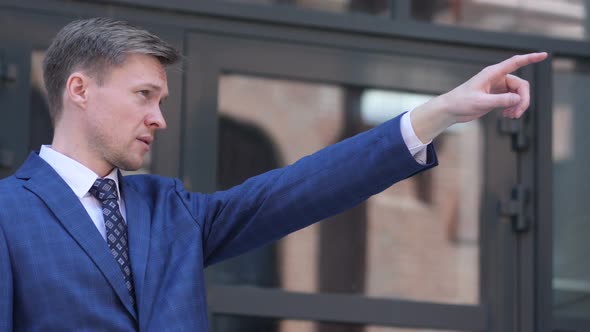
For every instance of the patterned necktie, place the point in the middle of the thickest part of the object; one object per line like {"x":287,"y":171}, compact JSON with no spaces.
{"x":105,"y":190}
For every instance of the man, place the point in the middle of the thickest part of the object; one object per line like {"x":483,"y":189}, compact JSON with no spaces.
{"x":83,"y":248}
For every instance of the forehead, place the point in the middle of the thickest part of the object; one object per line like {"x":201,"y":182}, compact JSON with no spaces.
{"x":138,"y":69}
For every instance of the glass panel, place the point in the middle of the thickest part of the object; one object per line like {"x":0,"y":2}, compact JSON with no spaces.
{"x":41,"y":127}
{"x":417,"y":240}
{"x":227,"y":323}
{"x":571,"y":211}
{"x":556,"y":18}
{"x":374,"y":7}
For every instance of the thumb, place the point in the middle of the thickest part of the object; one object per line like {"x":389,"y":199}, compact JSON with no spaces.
{"x":503,"y":100}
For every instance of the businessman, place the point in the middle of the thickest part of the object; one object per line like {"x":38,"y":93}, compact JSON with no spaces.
{"x":84,"y":248}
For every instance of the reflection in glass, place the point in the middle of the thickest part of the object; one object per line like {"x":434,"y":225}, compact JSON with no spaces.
{"x":571,"y":210}
{"x":417,"y":240}
{"x":218,"y":324}
{"x":375,"y":7}
{"x":555,"y":18}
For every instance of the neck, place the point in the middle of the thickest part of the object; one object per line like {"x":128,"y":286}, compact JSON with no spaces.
{"x":73,"y":145}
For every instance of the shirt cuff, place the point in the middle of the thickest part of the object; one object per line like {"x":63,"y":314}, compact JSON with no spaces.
{"x":415,"y":146}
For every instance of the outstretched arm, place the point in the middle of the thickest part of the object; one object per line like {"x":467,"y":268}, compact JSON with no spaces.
{"x":493,"y":87}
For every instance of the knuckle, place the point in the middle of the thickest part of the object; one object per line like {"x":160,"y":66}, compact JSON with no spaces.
{"x":487,"y":69}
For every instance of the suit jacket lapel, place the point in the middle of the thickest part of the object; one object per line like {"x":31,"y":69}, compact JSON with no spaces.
{"x":138,"y":229}
{"x":61,"y":200}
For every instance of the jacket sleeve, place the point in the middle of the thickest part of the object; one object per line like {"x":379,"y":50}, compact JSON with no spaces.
{"x":274,"y":204}
{"x":6,"y":289}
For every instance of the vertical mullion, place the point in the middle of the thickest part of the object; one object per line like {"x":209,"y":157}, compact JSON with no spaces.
{"x":526,"y":240}
{"x":199,"y":160}
{"x":544,"y":215}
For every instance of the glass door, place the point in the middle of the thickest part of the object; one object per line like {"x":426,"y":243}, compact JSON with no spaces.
{"x":13,"y":103}
{"x":571,"y":273}
{"x":429,"y":253}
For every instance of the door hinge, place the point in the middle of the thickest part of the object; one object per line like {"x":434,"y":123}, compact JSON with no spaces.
{"x":6,"y":159}
{"x":515,"y":208}
{"x":515,"y":128}
{"x":8,"y":72}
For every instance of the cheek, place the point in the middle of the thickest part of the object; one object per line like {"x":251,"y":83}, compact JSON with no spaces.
{"x":119,"y":110}
{"x":120,"y":114}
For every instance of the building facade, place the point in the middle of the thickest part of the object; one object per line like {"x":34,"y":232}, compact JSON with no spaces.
{"x":493,"y":239}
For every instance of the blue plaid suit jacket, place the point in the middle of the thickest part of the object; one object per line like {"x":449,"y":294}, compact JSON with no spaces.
{"x":57,"y":274}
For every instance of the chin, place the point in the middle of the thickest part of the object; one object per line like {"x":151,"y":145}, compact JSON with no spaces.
{"x":130,"y":165}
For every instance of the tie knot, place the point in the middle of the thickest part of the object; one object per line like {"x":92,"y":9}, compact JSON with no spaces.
{"x":104,"y":189}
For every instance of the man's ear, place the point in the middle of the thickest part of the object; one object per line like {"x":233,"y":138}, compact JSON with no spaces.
{"x":77,"y":88}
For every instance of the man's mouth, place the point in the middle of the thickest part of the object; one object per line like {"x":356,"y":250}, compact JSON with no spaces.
{"x":146,"y":139}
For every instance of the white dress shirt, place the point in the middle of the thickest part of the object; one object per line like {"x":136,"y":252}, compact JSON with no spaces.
{"x":415,"y":146}
{"x":80,"y":179}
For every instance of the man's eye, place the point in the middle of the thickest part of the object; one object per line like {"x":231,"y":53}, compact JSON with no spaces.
{"x":144,"y":93}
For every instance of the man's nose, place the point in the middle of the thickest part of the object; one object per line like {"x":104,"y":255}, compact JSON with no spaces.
{"x":156,"y":119}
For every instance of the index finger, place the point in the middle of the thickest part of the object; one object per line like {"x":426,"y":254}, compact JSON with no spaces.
{"x":514,"y":63}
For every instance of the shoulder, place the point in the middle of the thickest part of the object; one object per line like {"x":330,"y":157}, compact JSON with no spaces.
{"x":164,"y":190}
{"x":14,"y":198}
{"x":146,"y":183}
{"x":156,"y":186}
{"x":10,"y":187}
{"x":9,"y":182}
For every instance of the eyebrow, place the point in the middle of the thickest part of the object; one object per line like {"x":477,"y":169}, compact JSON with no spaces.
{"x":155,"y":87}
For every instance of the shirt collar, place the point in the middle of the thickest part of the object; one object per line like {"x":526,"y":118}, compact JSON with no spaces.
{"x":77,"y":176}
